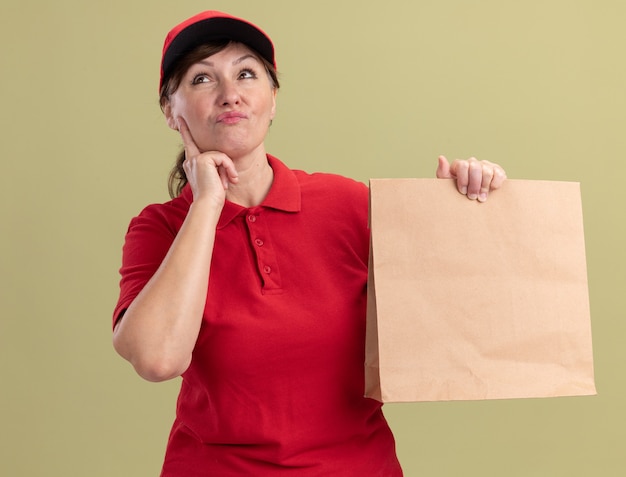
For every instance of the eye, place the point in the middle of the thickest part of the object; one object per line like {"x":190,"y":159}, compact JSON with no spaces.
{"x":247,"y":74}
{"x":200,"y":78}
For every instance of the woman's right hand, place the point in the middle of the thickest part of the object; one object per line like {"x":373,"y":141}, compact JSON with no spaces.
{"x":208,"y":173}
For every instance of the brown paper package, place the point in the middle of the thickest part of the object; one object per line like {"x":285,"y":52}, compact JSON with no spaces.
{"x":470,"y":300}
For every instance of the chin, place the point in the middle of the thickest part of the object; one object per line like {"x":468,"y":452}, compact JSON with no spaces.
{"x":234,"y":149}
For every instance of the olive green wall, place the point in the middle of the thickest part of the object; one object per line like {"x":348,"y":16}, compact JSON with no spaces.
{"x":370,"y":89}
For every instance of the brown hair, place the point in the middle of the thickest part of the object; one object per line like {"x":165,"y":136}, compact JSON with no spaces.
{"x":177,"y":178}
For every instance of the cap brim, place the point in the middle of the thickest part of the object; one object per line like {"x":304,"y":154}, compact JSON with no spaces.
{"x":215,"y":29}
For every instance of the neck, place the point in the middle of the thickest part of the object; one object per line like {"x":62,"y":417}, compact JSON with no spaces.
{"x":255,"y":180}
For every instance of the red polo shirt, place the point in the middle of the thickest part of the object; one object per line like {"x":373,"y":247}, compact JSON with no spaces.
{"x":275,"y":386}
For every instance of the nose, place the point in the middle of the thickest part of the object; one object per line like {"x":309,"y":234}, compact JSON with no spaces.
{"x":229,"y":93}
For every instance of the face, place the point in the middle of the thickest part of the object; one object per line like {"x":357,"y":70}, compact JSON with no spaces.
{"x":227,"y":100}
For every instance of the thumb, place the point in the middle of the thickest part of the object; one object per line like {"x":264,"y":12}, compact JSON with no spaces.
{"x":443,"y":168}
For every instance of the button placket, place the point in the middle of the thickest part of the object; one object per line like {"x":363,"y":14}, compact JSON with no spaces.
{"x":267,"y":265}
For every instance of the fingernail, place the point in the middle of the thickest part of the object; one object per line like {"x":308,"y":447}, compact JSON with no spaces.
{"x":472,"y":196}
{"x":464,"y":190}
{"x":482,"y":197}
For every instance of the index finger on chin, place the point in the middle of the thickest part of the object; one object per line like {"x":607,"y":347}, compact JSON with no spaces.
{"x":191,"y":149}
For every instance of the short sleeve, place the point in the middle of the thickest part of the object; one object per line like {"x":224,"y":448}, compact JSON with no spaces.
{"x":147,"y":241}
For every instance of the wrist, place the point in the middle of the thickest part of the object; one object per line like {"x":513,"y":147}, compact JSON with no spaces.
{"x":207,"y":206}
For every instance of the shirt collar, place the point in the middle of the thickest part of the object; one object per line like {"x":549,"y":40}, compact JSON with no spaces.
{"x":285,"y":191}
{"x":284,"y":194}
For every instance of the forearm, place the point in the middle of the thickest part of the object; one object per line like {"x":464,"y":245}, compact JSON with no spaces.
{"x":158,"y":332}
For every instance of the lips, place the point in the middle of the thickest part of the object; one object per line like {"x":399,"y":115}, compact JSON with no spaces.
{"x":231,"y":117}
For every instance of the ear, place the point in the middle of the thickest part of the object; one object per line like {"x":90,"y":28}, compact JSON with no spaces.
{"x":169,"y":116}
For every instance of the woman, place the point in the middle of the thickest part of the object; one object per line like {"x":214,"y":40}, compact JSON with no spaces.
{"x":251,"y":282}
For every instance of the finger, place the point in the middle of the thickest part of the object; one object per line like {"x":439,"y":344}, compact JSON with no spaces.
{"x":499,"y":176}
{"x":475,"y":178}
{"x":460,"y":170}
{"x":189,"y":165}
{"x":443,"y":168}
{"x":226,"y":169}
{"x":487,"y":178}
{"x":227,"y":174}
{"x":191,"y":149}
{"x":223,"y":176}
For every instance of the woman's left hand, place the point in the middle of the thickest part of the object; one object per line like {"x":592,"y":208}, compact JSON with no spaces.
{"x":474,"y":178}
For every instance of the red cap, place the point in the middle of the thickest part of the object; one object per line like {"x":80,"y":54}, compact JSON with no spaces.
{"x":210,"y":26}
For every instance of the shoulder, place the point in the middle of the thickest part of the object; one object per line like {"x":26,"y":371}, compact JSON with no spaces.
{"x":151,"y":233}
{"x":332,"y":186}
{"x":331,"y":195}
{"x":339,"y":204}
{"x":163,"y":216}
{"x":317,"y":183}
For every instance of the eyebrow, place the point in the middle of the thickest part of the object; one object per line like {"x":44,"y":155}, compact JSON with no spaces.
{"x":208,"y":62}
